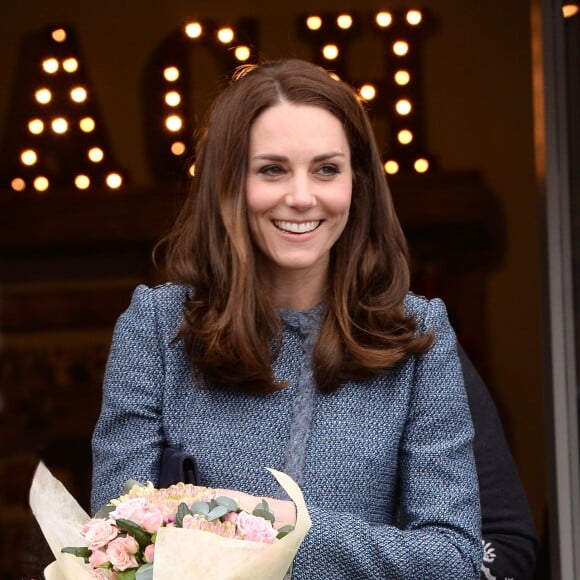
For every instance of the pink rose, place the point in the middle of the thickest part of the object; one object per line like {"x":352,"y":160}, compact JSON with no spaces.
{"x":152,"y":519}
{"x":98,"y":532}
{"x":149,"y":553}
{"x":121,"y":552}
{"x":255,"y":528}
{"x":231,"y":517}
{"x":136,"y":510}
{"x":98,"y":558}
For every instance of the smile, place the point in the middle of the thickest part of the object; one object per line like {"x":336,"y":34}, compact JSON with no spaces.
{"x":297,"y":227}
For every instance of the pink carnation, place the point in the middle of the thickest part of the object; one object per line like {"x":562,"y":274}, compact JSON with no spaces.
{"x":255,"y":528}
{"x":121,"y":552}
{"x":98,"y":532}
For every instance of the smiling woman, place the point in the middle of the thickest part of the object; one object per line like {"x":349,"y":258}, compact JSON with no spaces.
{"x":298,"y":189}
{"x":288,"y":338}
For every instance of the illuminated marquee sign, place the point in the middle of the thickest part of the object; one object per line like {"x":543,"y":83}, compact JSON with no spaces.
{"x":57,"y":138}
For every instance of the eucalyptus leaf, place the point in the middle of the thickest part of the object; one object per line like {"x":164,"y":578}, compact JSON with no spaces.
{"x":261,"y":513}
{"x":227,"y":502}
{"x":104,"y":511}
{"x":182,"y":511}
{"x":129,"y":484}
{"x":217,"y":512}
{"x":143,"y":537}
{"x":145,"y":572}
{"x":284,"y":531}
{"x":201,"y":508}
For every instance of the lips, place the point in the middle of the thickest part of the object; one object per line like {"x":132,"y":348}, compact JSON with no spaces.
{"x":297,"y":227}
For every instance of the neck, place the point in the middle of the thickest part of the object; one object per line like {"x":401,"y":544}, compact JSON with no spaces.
{"x":296,"y":289}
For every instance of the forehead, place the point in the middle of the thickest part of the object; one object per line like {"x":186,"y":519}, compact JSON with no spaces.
{"x":286,"y":124}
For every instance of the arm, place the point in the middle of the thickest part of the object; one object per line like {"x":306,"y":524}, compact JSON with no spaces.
{"x":128,"y":438}
{"x":507,"y":527}
{"x":439,"y":533}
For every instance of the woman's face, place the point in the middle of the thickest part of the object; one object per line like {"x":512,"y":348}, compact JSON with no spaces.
{"x":298,"y":188}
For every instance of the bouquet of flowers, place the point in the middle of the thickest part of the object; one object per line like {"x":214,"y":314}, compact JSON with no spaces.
{"x":183,"y":531}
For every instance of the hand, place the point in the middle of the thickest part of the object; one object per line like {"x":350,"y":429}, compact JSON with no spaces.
{"x":284,"y":510}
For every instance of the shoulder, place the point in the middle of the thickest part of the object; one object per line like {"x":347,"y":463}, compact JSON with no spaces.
{"x":428,"y":313}
{"x":161,"y":304}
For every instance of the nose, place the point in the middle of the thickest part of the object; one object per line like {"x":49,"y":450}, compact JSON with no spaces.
{"x":300,"y":194}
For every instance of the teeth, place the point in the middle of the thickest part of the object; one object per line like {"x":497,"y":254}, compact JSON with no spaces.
{"x":297,"y":228}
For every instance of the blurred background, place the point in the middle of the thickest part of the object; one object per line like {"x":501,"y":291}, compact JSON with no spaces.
{"x":96,"y":151}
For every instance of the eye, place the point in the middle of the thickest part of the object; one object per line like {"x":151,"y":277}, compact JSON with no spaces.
{"x":328,"y":170}
{"x":271,"y":170}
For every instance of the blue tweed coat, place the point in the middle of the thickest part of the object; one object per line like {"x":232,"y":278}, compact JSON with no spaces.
{"x":386,"y":465}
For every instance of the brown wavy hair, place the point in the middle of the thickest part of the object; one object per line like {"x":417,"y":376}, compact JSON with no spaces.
{"x":230,"y":327}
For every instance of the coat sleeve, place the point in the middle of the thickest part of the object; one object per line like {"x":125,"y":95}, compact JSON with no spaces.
{"x":438,"y":535}
{"x":509,"y":537}
{"x":128,"y":437}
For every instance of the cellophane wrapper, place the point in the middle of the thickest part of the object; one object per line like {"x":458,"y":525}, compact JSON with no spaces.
{"x":179,"y":553}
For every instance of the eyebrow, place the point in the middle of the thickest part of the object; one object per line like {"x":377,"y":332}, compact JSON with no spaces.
{"x":316,"y":159}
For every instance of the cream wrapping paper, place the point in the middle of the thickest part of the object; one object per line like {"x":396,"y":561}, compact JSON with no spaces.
{"x":179,"y":553}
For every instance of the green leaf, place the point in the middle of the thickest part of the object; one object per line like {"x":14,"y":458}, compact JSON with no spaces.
{"x":227,"y":502}
{"x":182,"y":511}
{"x":143,"y":538}
{"x":217,"y":512}
{"x":79,"y":552}
{"x":262,"y":513}
{"x":201,"y":508}
{"x":126,"y":574}
{"x":284,"y":531}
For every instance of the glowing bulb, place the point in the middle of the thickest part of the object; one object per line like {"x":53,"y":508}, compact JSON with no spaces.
{"x":58,"y":35}
{"x":78,"y":94}
{"x":402,"y":77}
{"x":43,"y":96}
{"x":391,"y":167}
{"x":368,"y":92}
{"x":59,"y":125}
{"x":171,"y":74}
{"x":384,"y":19}
{"x":330,"y":51}
{"x":401,"y":48}
{"x":192,"y":170}
{"x":570,"y":9}
{"x":174,"y":123}
{"x":87,"y":125}
{"x":242,"y":53}
{"x":82,"y":181}
{"x":344,"y":21}
{"x":96,"y":154}
{"x":314,"y":22}
{"x":70,"y":65}
{"x":36,"y":126}
{"x":334,"y":76}
{"x":405,"y":136}
{"x":50,"y":65}
{"x":41,"y":183}
{"x":114,"y":180}
{"x":414,"y":17}
{"x":28,"y":157}
{"x":225,"y":35}
{"x":172,"y":98}
{"x":421,"y":165}
{"x":18,"y":184}
{"x":178,"y":148}
{"x":193,"y":30}
{"x":403,"y":107}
